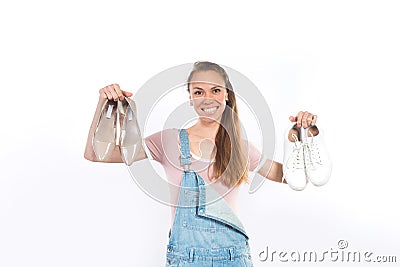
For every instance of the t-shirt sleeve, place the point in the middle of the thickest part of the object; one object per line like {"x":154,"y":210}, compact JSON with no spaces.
{"x":254,"y":156}
{"x":154,"y":145}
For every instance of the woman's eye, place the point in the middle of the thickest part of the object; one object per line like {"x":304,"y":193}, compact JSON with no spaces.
{"x":217,"y":90}
{"x":197,"y":92}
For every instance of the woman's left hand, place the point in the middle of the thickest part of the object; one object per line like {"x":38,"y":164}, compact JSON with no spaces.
{"x":304,"y":119}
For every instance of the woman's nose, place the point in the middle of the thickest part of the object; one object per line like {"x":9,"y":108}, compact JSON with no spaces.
{"x":209,"y":95}
{"x":207,"y":100}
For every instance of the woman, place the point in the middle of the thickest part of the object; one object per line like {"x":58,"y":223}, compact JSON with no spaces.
{"x":205,"y":228}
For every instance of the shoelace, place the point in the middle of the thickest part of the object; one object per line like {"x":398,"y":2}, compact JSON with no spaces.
{"x":313,"y":152}
{"x":296,"y":161}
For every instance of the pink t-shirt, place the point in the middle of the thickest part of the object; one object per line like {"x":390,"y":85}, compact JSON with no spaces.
{"x":164,"y":147}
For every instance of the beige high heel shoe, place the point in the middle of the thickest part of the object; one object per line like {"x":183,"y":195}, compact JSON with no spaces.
{"x":105,"y":135}
{"x":130,"y":137}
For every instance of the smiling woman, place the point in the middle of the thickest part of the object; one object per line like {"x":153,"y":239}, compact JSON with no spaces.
{"x":214,"y":100}
{"x":205,"y":225}
{"x":213,"y":93}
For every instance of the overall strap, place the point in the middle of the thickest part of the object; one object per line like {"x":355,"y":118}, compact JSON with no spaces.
{"x":185,"y":149}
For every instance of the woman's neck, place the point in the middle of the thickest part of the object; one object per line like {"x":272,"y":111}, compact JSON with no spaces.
{"x":204,"y":130}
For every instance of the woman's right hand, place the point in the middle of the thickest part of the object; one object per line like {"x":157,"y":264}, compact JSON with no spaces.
{"x":113,"y":91}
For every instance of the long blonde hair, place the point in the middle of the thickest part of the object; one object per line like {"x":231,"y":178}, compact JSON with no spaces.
{"x":230,"y":164}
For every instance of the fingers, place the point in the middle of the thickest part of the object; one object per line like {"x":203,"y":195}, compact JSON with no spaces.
{"x":314,"y":120}
{"x":113,"y":92}
{"x":304,"y":119}
{"x":126,"y":93}
{"x":102,"y":94}
{"x":299,"y":118}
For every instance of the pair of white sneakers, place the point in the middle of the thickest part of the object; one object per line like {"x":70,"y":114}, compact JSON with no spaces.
{"x":305,"y":158}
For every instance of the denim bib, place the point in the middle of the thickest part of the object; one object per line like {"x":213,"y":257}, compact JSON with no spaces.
{"x":205,"y":231}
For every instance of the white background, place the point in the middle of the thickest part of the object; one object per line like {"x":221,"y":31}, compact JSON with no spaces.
{"x":337,"y":59}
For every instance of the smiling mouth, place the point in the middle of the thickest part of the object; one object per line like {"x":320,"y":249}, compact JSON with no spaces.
{"x":209,"y":110}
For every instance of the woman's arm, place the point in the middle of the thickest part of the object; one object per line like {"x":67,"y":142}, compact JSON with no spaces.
{"x":273,"y":171}
{"x":109,"y":92}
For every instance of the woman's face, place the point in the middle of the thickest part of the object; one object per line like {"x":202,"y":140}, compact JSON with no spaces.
{"x":208,"y":94}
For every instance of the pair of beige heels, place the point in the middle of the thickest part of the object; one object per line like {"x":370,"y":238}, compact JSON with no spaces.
{"x":105,"y":136}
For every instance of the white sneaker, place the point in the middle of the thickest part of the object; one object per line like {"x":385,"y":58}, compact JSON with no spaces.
{"x":293,"y":160}
{"x":318,"y":166}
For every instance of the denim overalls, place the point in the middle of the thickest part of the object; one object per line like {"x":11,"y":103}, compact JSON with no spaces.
{"x":204,"y":232}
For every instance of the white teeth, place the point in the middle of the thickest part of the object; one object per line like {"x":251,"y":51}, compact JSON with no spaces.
{"x":210,"y":110}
